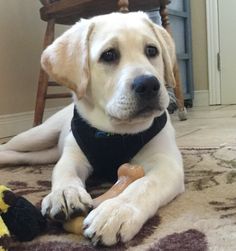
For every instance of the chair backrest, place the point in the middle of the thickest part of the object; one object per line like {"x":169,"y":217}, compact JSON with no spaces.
{"x":123,"y":5}
{"x":70,"y":11}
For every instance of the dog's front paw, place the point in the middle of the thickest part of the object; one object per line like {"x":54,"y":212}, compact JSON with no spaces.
{"x":112,"y":222}
{"x":66,"y":203}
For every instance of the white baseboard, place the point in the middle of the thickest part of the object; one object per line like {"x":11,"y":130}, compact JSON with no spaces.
{"x":13,"y":124}
{"x":201,"y":98}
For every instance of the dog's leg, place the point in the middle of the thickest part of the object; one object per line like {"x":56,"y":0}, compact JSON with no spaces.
{"x":35,"y":139}
{"x":68,"y":197}
{"x":120,"y":218}
{"x":47,"y":156}
{"x":40,"y":137}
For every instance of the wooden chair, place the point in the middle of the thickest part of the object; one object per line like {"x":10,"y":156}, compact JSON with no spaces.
{"x":67,"y":12}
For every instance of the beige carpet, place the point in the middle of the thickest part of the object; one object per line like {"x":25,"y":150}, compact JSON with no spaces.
{"x":203,"y":218}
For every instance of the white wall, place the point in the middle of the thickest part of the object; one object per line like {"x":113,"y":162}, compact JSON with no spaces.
{"x":199,"y":44}
{"x":21,"y":39}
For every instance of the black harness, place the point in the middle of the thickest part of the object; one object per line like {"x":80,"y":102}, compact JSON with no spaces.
{"x":107,"y":151}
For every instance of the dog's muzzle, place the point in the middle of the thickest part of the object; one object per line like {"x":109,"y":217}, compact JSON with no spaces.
{"x":146,"y":89}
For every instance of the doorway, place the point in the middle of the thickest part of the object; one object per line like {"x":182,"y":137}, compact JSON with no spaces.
{"x":221,"y":51}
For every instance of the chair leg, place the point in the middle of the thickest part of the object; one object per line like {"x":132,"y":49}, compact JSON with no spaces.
{"x":182,"y":112}
{"x":43,"y":77}
{"x":178,"y":90}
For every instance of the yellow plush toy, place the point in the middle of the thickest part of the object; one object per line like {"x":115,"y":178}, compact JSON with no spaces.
{"x":19,"y":217}
{"x":4,"y":232}
{"x":4,"y":236}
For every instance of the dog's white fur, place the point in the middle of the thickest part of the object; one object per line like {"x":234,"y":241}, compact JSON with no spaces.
{"x":102,"y":95}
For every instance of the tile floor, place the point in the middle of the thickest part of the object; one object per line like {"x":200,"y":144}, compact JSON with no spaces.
{"x":211,"y":126}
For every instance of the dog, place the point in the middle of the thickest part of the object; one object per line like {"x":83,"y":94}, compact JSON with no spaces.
{"x":117,"y":66}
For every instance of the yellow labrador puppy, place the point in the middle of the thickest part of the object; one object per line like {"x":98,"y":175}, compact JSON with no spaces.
{"x":117,"y":66}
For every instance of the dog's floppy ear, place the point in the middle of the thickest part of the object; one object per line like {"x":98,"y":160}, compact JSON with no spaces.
{"x":168,"y":52}
{"x":66,"y":60}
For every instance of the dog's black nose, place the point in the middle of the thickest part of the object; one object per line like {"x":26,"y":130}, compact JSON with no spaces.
{"x":146,"y":86}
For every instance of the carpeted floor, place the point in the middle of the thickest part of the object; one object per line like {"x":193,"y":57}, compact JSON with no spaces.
{"x":203,"y":218}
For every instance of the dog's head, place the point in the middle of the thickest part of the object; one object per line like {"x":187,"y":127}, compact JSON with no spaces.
{"x":117,"y":65}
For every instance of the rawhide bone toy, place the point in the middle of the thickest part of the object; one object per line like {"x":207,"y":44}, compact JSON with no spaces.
{"x":127,"y":174}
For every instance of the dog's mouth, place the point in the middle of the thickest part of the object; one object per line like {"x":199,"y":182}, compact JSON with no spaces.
{"x":140,"y":115}
{"x":146,"y":111}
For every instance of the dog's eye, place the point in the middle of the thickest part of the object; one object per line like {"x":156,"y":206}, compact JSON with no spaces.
{"x":151,"y":51}
{"x":110,"y":56}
